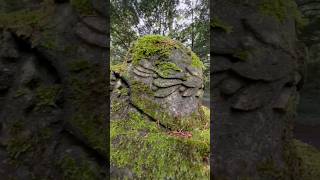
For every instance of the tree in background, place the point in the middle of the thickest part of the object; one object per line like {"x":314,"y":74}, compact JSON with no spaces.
{"x":183,"y":20}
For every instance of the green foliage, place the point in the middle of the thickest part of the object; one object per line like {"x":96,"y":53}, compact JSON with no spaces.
{"x":218,"y":23}
{"x":153,"y":154}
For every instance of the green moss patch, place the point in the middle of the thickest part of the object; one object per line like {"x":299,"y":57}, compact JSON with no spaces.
{"x":156,"y":45}
{"x":165,"y":68}
{"x":141,"y":146}
{"x":119,"y":68}
{"x":196,"y":62}
{"x":310,"y":160}
{"x":150,"y":45}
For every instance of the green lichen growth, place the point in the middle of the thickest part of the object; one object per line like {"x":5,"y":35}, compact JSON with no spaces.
{"x":47,"y":96}
{"x":165,"y":68}
{"x":283,"y":9}
{"x":84,"y":7}
{"x":75,"y":170}
{"x":154,"y":154}
{"x":196,"y":62}
{"x":218,"y":23}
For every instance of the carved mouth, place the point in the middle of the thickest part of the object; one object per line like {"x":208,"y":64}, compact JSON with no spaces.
{"x":188,"y":82}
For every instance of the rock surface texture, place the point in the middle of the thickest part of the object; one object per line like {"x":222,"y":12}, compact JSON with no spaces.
{"x":255,"y":58}
{"x":159,"y":130}
{"x":53,"y":89}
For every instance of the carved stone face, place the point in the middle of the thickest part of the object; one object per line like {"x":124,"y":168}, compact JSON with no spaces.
{"x":166,"y":88}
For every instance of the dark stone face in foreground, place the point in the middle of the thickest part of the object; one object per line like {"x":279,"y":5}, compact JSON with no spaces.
{"x":256,"y":69}
{"x":52,"y":110}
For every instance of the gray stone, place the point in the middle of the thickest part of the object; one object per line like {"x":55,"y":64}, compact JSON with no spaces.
{"x":253,"y":97}
{"x":101,"y":7}
{"x":189,"y":92}
{"x":230,"y":86}
{"x":166,"y":82}
{"x":283,"y":100}
{"x":144,"y":70}
{"x":221,"y":64}
{"x":265,"y":65}
{"x":29,"y":71}
{"x":195,"y":71}
{"x":146,"y":64}
{"x":164,"y":92}
{"x":8,"y":48}
{"x":139,"y":73}
{"x":90,"y":36}
{"x":97,"y":23}
{"x":5,"y":79}
{"x":193,"y":82}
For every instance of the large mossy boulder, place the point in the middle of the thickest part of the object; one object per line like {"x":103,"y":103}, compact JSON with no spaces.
{"x":159,"y":129}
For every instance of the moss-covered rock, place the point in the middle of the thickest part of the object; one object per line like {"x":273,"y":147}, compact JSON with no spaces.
{"x":150,"y":45}
{"x":153,"y":153}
